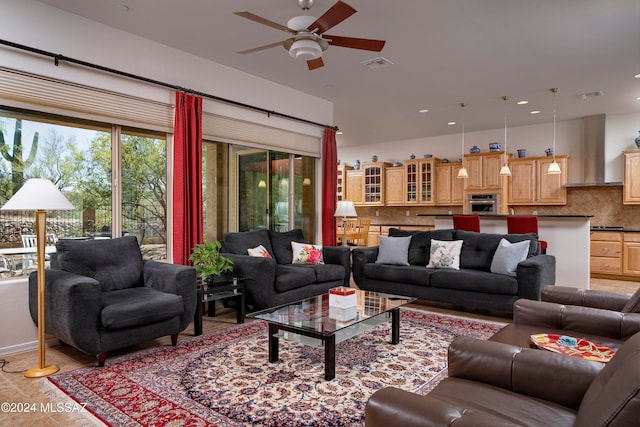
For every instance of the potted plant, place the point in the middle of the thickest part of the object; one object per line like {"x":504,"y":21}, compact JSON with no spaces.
{"x":208,"y":262}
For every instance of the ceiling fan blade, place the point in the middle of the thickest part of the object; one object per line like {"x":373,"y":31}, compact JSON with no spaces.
{"x":256,"y":49}
{"x":355,"y":43}
{"x":315,"y":63}
{"x":264,"y":21}
{"x":332,"y":17}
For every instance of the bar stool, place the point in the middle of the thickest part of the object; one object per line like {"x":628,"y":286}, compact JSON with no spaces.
{"x":525,"y":224}
{"x":467,"y":222}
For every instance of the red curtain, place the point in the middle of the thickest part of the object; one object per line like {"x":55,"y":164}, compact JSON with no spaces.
{"x":187,"y":176}
{"x":329,"y":171}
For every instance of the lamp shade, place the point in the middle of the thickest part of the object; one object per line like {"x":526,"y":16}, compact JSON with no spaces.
{"x":554,"y":168}
{"x":38,"y":194}
{"x":462,"y":173}
{"x":345,"y":208}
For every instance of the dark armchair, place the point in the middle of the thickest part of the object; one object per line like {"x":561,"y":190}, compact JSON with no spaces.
{"x":102,"y":296}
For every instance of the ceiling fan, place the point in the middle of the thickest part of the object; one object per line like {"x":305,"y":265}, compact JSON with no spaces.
{"x":308,"y":40}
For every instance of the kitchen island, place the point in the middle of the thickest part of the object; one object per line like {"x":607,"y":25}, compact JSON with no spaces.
{"x":568,"y":237}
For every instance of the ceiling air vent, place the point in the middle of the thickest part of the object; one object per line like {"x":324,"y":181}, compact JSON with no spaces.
{"x":590,"y":94}
{"x":377,"y":63}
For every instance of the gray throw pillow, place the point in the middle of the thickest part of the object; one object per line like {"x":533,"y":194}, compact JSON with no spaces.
{"x":394,"y":250}
{"x":508,"y":255}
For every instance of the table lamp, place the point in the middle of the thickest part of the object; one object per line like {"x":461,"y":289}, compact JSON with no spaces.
{"x":39,"y":195}
{"x":344,"y":209}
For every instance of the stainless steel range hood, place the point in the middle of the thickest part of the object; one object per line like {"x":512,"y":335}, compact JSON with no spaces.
{"x":593,"y":152}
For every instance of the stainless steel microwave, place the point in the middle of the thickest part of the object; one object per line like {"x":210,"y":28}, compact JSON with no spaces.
{"x":482,"y":204}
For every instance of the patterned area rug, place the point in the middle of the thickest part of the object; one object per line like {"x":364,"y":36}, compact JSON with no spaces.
{"x":224,"y":378}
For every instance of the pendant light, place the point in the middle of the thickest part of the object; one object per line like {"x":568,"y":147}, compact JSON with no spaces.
{"x":505,"y":171}
{"x":462,"y":173}
{"x":554,"y":167}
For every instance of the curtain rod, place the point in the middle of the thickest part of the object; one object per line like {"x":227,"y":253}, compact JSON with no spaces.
{"x":58,"y":57}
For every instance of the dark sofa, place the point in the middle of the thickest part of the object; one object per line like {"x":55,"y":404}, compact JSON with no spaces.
{"x":276,"y":281}
{"x":473,"y":287}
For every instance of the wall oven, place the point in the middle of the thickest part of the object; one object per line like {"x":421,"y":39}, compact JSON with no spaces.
{"x":482,"y":204}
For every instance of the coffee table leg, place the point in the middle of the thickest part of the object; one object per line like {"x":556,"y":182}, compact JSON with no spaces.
{"x":273,"y":343}
{"x":395,"y":326}
{"x":330,"y":357}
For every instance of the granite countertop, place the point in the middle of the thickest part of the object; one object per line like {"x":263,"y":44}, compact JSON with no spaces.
{"x":504,"y":216}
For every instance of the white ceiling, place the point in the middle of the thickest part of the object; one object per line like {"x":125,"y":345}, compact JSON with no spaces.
{"x":444,"y":52}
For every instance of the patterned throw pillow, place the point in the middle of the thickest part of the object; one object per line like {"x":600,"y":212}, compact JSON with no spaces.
{"x":445,"y":254}
{"x":304,"y":253}
{"x":259,"y":251}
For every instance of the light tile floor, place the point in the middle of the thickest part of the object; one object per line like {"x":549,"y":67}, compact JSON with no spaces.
{"x":15,"y":388}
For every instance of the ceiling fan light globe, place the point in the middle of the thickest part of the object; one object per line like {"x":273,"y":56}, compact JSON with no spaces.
{"x":300,"y":23}
{"x":305,"y":49}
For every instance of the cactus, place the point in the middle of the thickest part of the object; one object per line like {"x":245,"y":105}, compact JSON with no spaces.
{"x":18,"y":164}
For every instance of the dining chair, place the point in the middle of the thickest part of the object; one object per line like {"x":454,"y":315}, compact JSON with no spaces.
{"x":467,"y":222}
{"x":522,"y":224}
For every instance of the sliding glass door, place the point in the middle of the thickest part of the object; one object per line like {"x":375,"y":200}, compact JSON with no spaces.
{"x":274,"y":191}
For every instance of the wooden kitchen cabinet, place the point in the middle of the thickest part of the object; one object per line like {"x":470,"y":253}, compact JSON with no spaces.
{"x":354,"y":186}
{"x":373,"y":178}
{"x":484,"y":171}
{"x":530,"y":184}
{"x":631,"y":254}
{"x":419,"y":184}
{"x":606,"y":252}
{"x":449,"y":189}
{"x":394,"y":192}
{"x":631,"y":177}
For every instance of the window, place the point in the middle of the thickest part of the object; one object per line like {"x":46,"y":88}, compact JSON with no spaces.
{"x":77,"y":156}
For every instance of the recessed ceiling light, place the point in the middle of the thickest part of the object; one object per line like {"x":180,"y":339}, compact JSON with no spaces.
{"x":423,"y":111}
{"x":637,"y":98}
{"x":339,"y":132}
{"x":123,"y":7}
{"x":523,"y":102}
{"x":451,"y":123}
{"x":637,"y":76}
{"x":535,"y":112}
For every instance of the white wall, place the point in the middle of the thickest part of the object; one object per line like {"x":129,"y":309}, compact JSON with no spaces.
{"x":40,"y":26}
{"x":18,"y":334}
{"x":621,"y":131}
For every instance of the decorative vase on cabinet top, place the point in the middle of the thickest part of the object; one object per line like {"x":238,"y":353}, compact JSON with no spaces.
{"x":638,"y":140}
{"x":474,"y":150}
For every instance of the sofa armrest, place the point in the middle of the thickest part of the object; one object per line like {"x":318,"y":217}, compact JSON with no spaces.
{"x":595,"y":321}
{"x":340,"y":255}
{"x":585,"y":297}
{"x":260,"y":290}
{"x":538,"y":373}
{"x":175,"y":279}
{"x":533,"y":274}
{"x":391,"y":406}
{"x":360,"y":257}
{"x":72,"y":308}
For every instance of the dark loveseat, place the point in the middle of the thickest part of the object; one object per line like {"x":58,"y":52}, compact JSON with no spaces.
{"x":276,"y":280}
{"x":473,"y":287}
{"x":102,"y":296}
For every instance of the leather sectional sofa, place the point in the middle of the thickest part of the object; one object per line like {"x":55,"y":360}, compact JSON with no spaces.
{"x":496,"y":384}
{"x":276,"y":281}
{"x":473,"y":287}
{"x":603,"y":317}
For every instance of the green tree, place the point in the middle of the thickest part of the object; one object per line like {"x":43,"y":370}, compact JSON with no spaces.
{"x":15,"y":157}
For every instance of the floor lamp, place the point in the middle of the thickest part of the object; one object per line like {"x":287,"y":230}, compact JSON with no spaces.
{"x":344,"y":209}
{"x":39,"y":195}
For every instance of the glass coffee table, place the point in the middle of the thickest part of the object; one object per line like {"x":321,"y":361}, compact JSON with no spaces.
{"x":312,"y":322}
